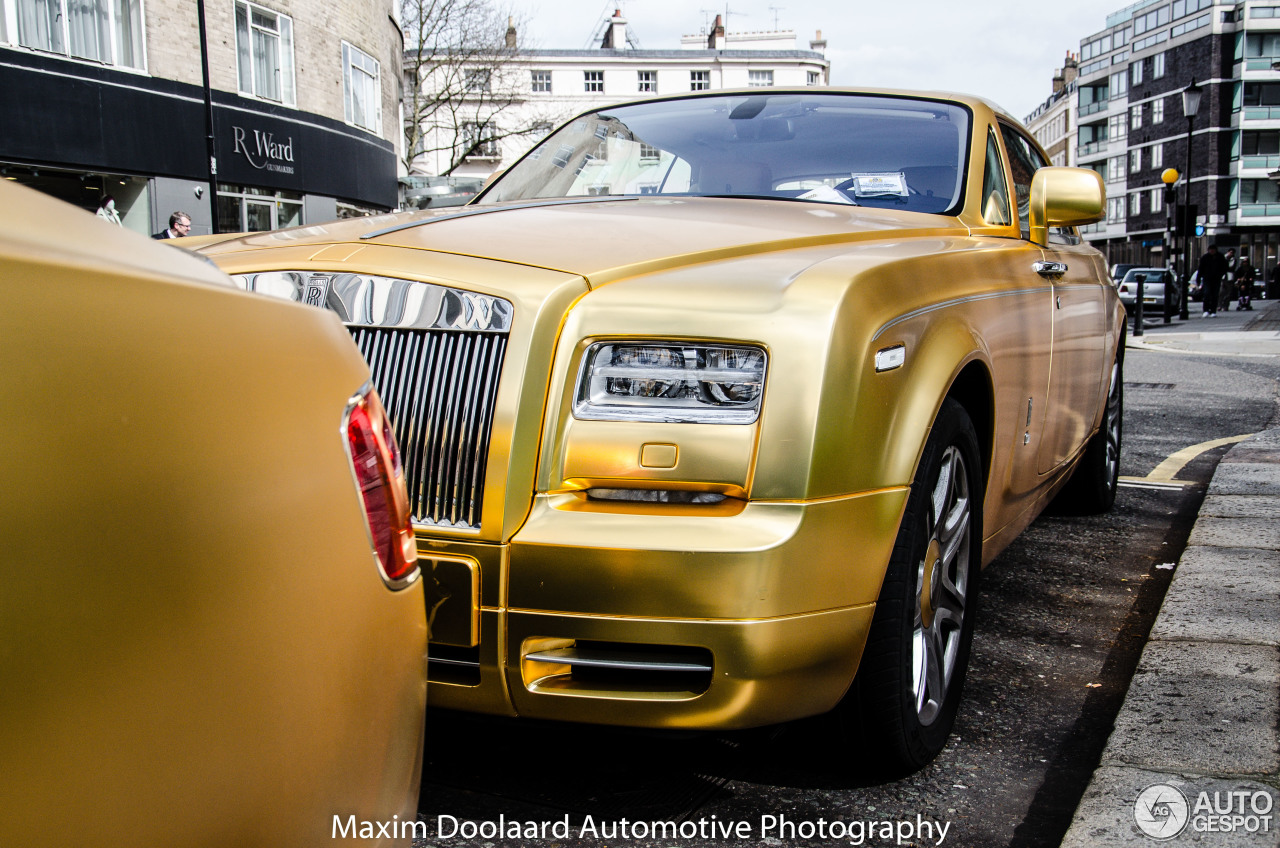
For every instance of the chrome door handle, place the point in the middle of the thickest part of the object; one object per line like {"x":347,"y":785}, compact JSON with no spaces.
{"x":1050,"y":269}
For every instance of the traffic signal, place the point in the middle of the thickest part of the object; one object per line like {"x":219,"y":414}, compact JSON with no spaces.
{"x":1186,"y":220}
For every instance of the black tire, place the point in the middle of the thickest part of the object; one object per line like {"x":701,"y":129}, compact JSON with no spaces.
{"x":1092,"y":487}
{"x":913,"y":667}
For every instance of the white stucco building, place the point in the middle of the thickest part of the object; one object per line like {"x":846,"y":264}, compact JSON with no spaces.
{"x":551,"y":85}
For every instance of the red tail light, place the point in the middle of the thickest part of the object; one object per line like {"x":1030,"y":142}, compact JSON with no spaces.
{"x":375,"y":459}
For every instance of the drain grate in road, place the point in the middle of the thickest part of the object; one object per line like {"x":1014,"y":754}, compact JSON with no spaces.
{"x":1156,"y":386}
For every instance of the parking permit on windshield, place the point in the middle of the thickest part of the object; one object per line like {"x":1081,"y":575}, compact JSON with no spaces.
{"x":868,"y":185}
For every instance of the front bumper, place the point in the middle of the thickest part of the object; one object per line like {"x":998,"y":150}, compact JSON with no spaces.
{"x":682,"y":617}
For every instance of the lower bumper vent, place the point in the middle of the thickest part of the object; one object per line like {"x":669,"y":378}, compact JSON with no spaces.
{"x":620,"y":670}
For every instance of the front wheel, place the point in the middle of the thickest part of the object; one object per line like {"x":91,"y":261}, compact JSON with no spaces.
{"x":908,"y":686}
{"x":1092,"y":487}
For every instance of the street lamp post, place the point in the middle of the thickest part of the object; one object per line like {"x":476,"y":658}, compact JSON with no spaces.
{"x":1169,"y":178}
{"x":1190,"y":106}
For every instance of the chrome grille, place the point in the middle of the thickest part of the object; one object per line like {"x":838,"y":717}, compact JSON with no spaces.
{"x":439,"y":388}
{"x":435,"y":353}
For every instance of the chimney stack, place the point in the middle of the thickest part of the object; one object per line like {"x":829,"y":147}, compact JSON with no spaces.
{"x":511,"y":34}
{"x":615,"y":36}
{"x":819,"y":43}
{"x":716,"y":40}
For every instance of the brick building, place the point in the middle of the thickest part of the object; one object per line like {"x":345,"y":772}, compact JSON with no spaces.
{"x":1131,"y":126}
{"x":109,"y":98}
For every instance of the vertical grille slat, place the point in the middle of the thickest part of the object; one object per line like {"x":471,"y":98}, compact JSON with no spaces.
{"x":439,"y":388}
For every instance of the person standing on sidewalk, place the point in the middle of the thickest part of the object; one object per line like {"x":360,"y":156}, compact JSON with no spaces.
{"x":1227,"y":291}
{"x":1213,"y":267}
{"x":1245,"y":275}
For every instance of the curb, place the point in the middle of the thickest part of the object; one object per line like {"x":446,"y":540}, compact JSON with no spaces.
{"x":1194,"y":755}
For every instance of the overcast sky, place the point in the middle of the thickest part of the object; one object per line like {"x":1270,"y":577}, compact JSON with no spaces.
{"x":1004,"y":50}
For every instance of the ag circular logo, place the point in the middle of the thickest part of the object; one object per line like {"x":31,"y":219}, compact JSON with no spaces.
{"x":1161,"y":811}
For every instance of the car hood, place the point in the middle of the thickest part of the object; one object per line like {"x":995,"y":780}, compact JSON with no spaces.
{"x":604,"y":239}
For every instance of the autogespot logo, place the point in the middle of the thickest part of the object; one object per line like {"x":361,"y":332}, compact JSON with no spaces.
{"x":1161,"y":811}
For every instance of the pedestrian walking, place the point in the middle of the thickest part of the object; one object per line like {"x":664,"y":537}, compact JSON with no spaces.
{"x":1227,"y":291}
{"x":1213,"y":267}
{"x":179,"y":226}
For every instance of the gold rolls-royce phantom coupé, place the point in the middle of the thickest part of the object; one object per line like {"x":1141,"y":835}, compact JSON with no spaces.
{"x":713,"y":406}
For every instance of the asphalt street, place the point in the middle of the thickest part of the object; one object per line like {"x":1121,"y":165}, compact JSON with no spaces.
{"x":1066,"y":613}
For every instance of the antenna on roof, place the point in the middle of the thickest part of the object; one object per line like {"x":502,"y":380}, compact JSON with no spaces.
{"x":706,"y":19}
{"x":776,"y":10}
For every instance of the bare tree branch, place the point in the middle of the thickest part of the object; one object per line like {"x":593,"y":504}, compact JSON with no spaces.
{"x":462,"y":71}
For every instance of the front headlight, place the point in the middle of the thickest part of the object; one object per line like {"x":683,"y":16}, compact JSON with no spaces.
{"x":671,"y":381}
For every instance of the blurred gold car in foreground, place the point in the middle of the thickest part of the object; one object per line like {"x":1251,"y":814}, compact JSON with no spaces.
{"x":198,"y":642}
{"x":714,"y":406}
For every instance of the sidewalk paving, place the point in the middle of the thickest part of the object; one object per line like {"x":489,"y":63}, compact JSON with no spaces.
{"x":1194,"y":756}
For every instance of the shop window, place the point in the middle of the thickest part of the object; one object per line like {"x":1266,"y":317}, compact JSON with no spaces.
{"x":264,"y":53}
{"x":247,"y":209}
{"x":107,"y":31}
{"x":361,"y":89}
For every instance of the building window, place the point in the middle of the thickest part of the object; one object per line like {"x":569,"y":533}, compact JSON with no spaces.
{"x":593,"y":81}
{"x":1135,"y":73}
{"x":479,"y":80}
{"x":1117,"y":126}
{"x":757,"y":79}
{"x":1135,"y":117}
{"x":541,"y":129}
{"x":1157,"y":66}
{"x":1157,"y":199}
{"x":1135,"y":160}
{"x":1157,"y":111}
{"x":648,"y":151}
{"x":107,"y":31}
{"x":815,"y":78}
{"x":1119,"y":84}
{"x":1115,"y":168}
{"x":1135,"y":203}
{"x":699,"y":80}
{"x":361,"y":89}
{"x":476,"y":139}
{"x":647,"y":81}
{"x":1115,"y":209}
{"x":1187,"y":7}
{"x":540,"y":81}
{"x":1157,"y":155}
{"x":264,"y":53}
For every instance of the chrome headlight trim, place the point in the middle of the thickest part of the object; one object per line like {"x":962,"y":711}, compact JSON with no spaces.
{"x":672,"y":381}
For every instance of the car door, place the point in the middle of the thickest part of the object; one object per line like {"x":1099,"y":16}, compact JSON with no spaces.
{"x":1078,"y":279}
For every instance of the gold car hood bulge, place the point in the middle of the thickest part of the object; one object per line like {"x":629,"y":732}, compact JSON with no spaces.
{"x":608,"y":239}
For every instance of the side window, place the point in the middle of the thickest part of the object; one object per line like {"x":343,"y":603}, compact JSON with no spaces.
{"x":1024,"y":161}
{"x":995,"y":191}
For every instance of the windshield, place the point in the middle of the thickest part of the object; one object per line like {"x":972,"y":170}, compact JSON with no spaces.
{"x":822,"y":147}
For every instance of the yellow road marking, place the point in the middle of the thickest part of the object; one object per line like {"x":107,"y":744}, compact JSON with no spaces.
{"x":1167,"y":471}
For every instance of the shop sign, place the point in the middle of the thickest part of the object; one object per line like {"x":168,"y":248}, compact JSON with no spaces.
{"x":262,"y":150}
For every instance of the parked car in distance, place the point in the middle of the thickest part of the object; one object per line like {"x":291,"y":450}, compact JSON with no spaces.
{"x":200,"y":641}
{"x":1153,"y":288}
{"x":1119,"y":270}
{"x":714,"y":405}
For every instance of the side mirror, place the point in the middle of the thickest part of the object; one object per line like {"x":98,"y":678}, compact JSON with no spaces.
{"x":1065,"y":197}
